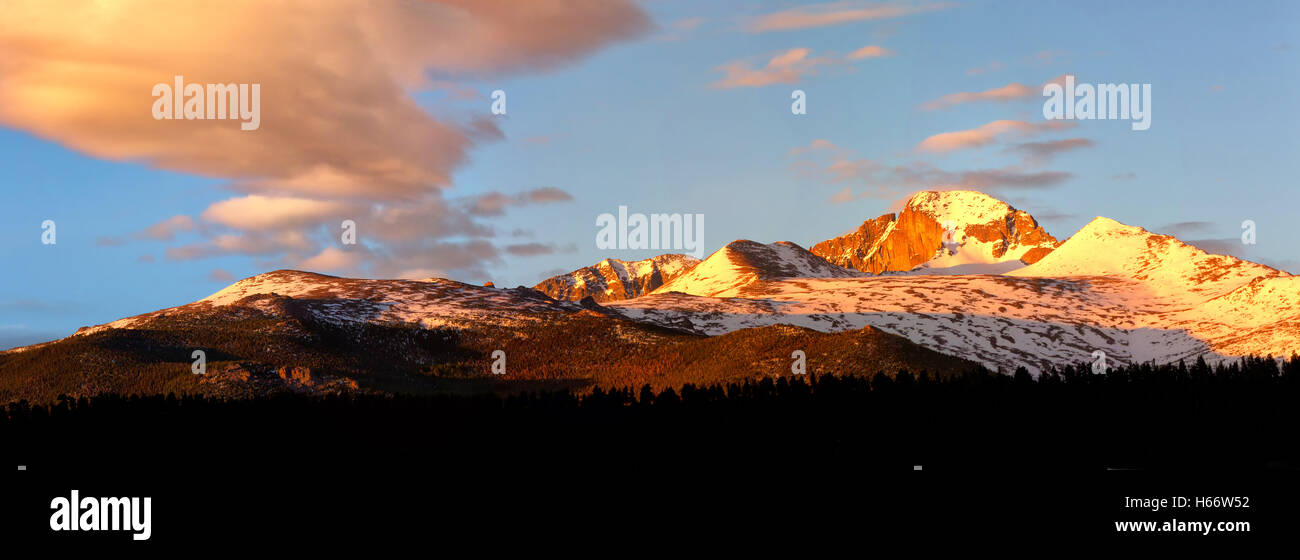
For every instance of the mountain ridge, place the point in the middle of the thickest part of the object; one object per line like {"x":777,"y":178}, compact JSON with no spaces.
{"x":1135,"y":295}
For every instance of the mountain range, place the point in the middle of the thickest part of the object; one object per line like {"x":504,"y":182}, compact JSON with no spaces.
{"x":955,"y":280}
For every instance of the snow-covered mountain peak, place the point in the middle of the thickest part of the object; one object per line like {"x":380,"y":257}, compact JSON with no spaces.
{"x":941,"y":230}
{"x":1106,"y":247}
{"x":743,"y":262}
{"x":961,"y":207}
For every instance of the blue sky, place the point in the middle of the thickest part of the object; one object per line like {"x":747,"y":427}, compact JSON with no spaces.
{"x":639,"y":116}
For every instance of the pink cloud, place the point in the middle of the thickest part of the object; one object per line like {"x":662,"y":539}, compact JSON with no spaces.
{"x":166,"y":230}
{"x":331,"y":259}
{"x":835,"y":13}
{"x":870,"y":51}
{"x":1004,"y":93}
{"x":339,"y":129}
{"x":785,"y":68}
{"x":258,"y":212}
{"x":986,"y":134}
{"x":220,"y":275}
{"x":842,"y":196}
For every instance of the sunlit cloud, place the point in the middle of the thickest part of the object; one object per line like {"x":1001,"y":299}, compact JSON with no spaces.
{"x":339,"y":132}
{"x":835,"y":13}
{"x":870,"y":51}
{"x":987,"y":134}
{"x":785,"y":68}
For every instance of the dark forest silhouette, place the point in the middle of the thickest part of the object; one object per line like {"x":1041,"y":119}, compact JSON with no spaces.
{"x":993,"y":448}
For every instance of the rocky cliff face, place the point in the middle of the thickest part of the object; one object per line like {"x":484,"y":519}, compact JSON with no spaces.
{"x":984,"y":230}
{"x":613,"y":279}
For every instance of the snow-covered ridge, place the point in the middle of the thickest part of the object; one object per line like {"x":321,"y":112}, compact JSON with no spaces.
{"x":1136,"y":295}
{"x":614,"y":279}
{"x":1105,"y":247}
{"x":743,"y":262}
{"x":430,"y":303}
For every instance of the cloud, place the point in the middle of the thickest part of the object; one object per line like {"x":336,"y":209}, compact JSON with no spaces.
{"x":987,"y":134}
{"x":544,"y":195}
{"x":1181,"y":229}
{"x":1008,"y":92}
{"x":221,"y":276}
{"x":870,"y":51}
{"x":1037,"y":153}
{"x":1047,"y":56}
{"x":530,"y":249}
{"x":332,"y":259}
{"x":494,"y":204}
{"x":834,"y":13}
{"x":679,"y":29}
{"x":788,"y":67}
{"x":881,"y":180}
{"x":818,"y":144}
{"x":166,"y":230}
{"x":258,"y":212}
{"x":1053,"y":215}
{"x":339,"y":130}
{"x":841,"y":196}
{"x":246,"y":244}
{"x":335,"y":103}
{"x":785,"y":68}
{"x":993,"y":66}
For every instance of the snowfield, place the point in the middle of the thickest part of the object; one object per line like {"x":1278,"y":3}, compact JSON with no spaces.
{"x":1135,"y":295}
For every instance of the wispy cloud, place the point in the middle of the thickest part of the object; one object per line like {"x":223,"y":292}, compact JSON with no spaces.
{"x":835,"y":13}
{"x":993,"y":66}
{"x":1184,"y":229}
{"x":1008,"y":92}
{"x":1038,"y":153}
{"x":785,"y":68}
{"x":220,"y":275}
{"x":680,"y":29}
{"x":790,"y":66}
{"x":870,"y":51}
{"x":828,"y":162}
{"x":987,"y":134}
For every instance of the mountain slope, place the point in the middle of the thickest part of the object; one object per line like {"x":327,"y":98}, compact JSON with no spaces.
{"x":1134,"y":295}
{"x":1105,"y":247}
{"x":290,"y":331}
{"x":742,"y":263}
{"x":613,"y":279}
{"x":988,"y":235}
